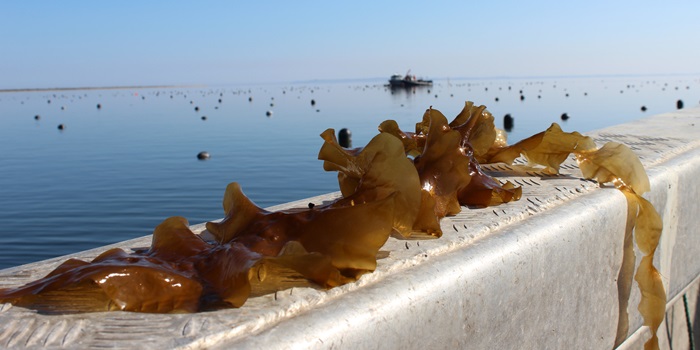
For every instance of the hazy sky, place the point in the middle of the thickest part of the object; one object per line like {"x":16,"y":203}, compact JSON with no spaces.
{"x":99,"y":43}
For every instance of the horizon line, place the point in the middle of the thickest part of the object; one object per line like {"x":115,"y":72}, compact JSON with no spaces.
{"x":328,"y":80}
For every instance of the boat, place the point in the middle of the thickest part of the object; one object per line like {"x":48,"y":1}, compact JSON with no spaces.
{"x":398,"y":80}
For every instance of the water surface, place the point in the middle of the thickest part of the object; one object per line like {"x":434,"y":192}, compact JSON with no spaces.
{"x":116,"y":172}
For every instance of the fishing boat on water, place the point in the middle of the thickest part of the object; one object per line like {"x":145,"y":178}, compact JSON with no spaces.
{"x":398,"y":80}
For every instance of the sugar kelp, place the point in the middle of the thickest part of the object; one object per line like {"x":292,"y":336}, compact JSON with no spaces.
{"x":400,"y":182}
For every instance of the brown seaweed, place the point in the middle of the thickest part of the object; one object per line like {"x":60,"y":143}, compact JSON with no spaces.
{"x":549,"y":148}
{"x":325,"y":230}
{"x":182,"y":273}
{"x":448,"y":169}
{"x":377,"y":171}
{"x":616,"y":163}
{"x":400,"y":182}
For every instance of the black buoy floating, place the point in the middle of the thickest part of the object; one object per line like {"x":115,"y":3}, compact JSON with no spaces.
{"x":37,"y":117}
{"x":679,"y":104}
{"x":345,"y":138}
{"x":564,"y":117}
{"x":522,"y":97}
{"x":313,"y":102}
{"x":268,"y":113}
{"x":496,"y":99}
{"x":61,"y":126}
{"x":204,"y":117}
{"x":250,"y":99}
{"x":196,"y":109}
{"x":203,"y":155}
{"x":644,"y":108}
{"x":508,"y":122}
{"x":99,"y":106}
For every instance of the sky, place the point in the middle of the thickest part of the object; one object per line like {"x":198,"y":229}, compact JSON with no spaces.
{"x":46,"y":44}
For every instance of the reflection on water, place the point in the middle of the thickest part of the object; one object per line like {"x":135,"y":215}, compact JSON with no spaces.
{"x":126,"y":159}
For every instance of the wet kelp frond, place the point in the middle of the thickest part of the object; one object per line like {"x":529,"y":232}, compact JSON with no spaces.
{"x":379,"y":170}
{"x":401,"y":182}
{"x":616,"y":163}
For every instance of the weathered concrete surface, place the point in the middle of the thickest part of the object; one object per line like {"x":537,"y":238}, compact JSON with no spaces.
{"x":537,"y":273}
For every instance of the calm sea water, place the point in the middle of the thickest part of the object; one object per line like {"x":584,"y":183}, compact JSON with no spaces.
{"x":116,"y":172}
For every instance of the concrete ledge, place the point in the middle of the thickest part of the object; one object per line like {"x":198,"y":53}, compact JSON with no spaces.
{"x":537,"y":273}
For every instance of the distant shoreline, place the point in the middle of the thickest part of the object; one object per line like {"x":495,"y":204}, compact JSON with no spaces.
{"x":99,"y":88}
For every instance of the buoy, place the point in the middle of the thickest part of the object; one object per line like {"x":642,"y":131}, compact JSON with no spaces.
{"x":508,"y":122}
{"x":61,"y":126}
{"x":345,"y":138}
{"x":219,"y":100}
{"x":99,"y":106}
{"x":679,"y":104}
{"x":268,"y":113}
{"x":496,"y":99}
{"x":37,"y":117}
{"x":196,"y":109}
{"x":204,"y":117}
{"x":564,"y":117}
{"x":313,"y":102}
{"x":250,"y":99}
{"x":522,"y":97}
{"x":203,"y":155}
{"x":644,"y":108}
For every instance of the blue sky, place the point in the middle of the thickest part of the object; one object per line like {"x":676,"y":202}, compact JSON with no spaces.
{"x":101,"y":43}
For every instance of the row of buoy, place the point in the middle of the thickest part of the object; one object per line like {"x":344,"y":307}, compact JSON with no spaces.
{"x":344,"y":140}
{"x":508,"y":119}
